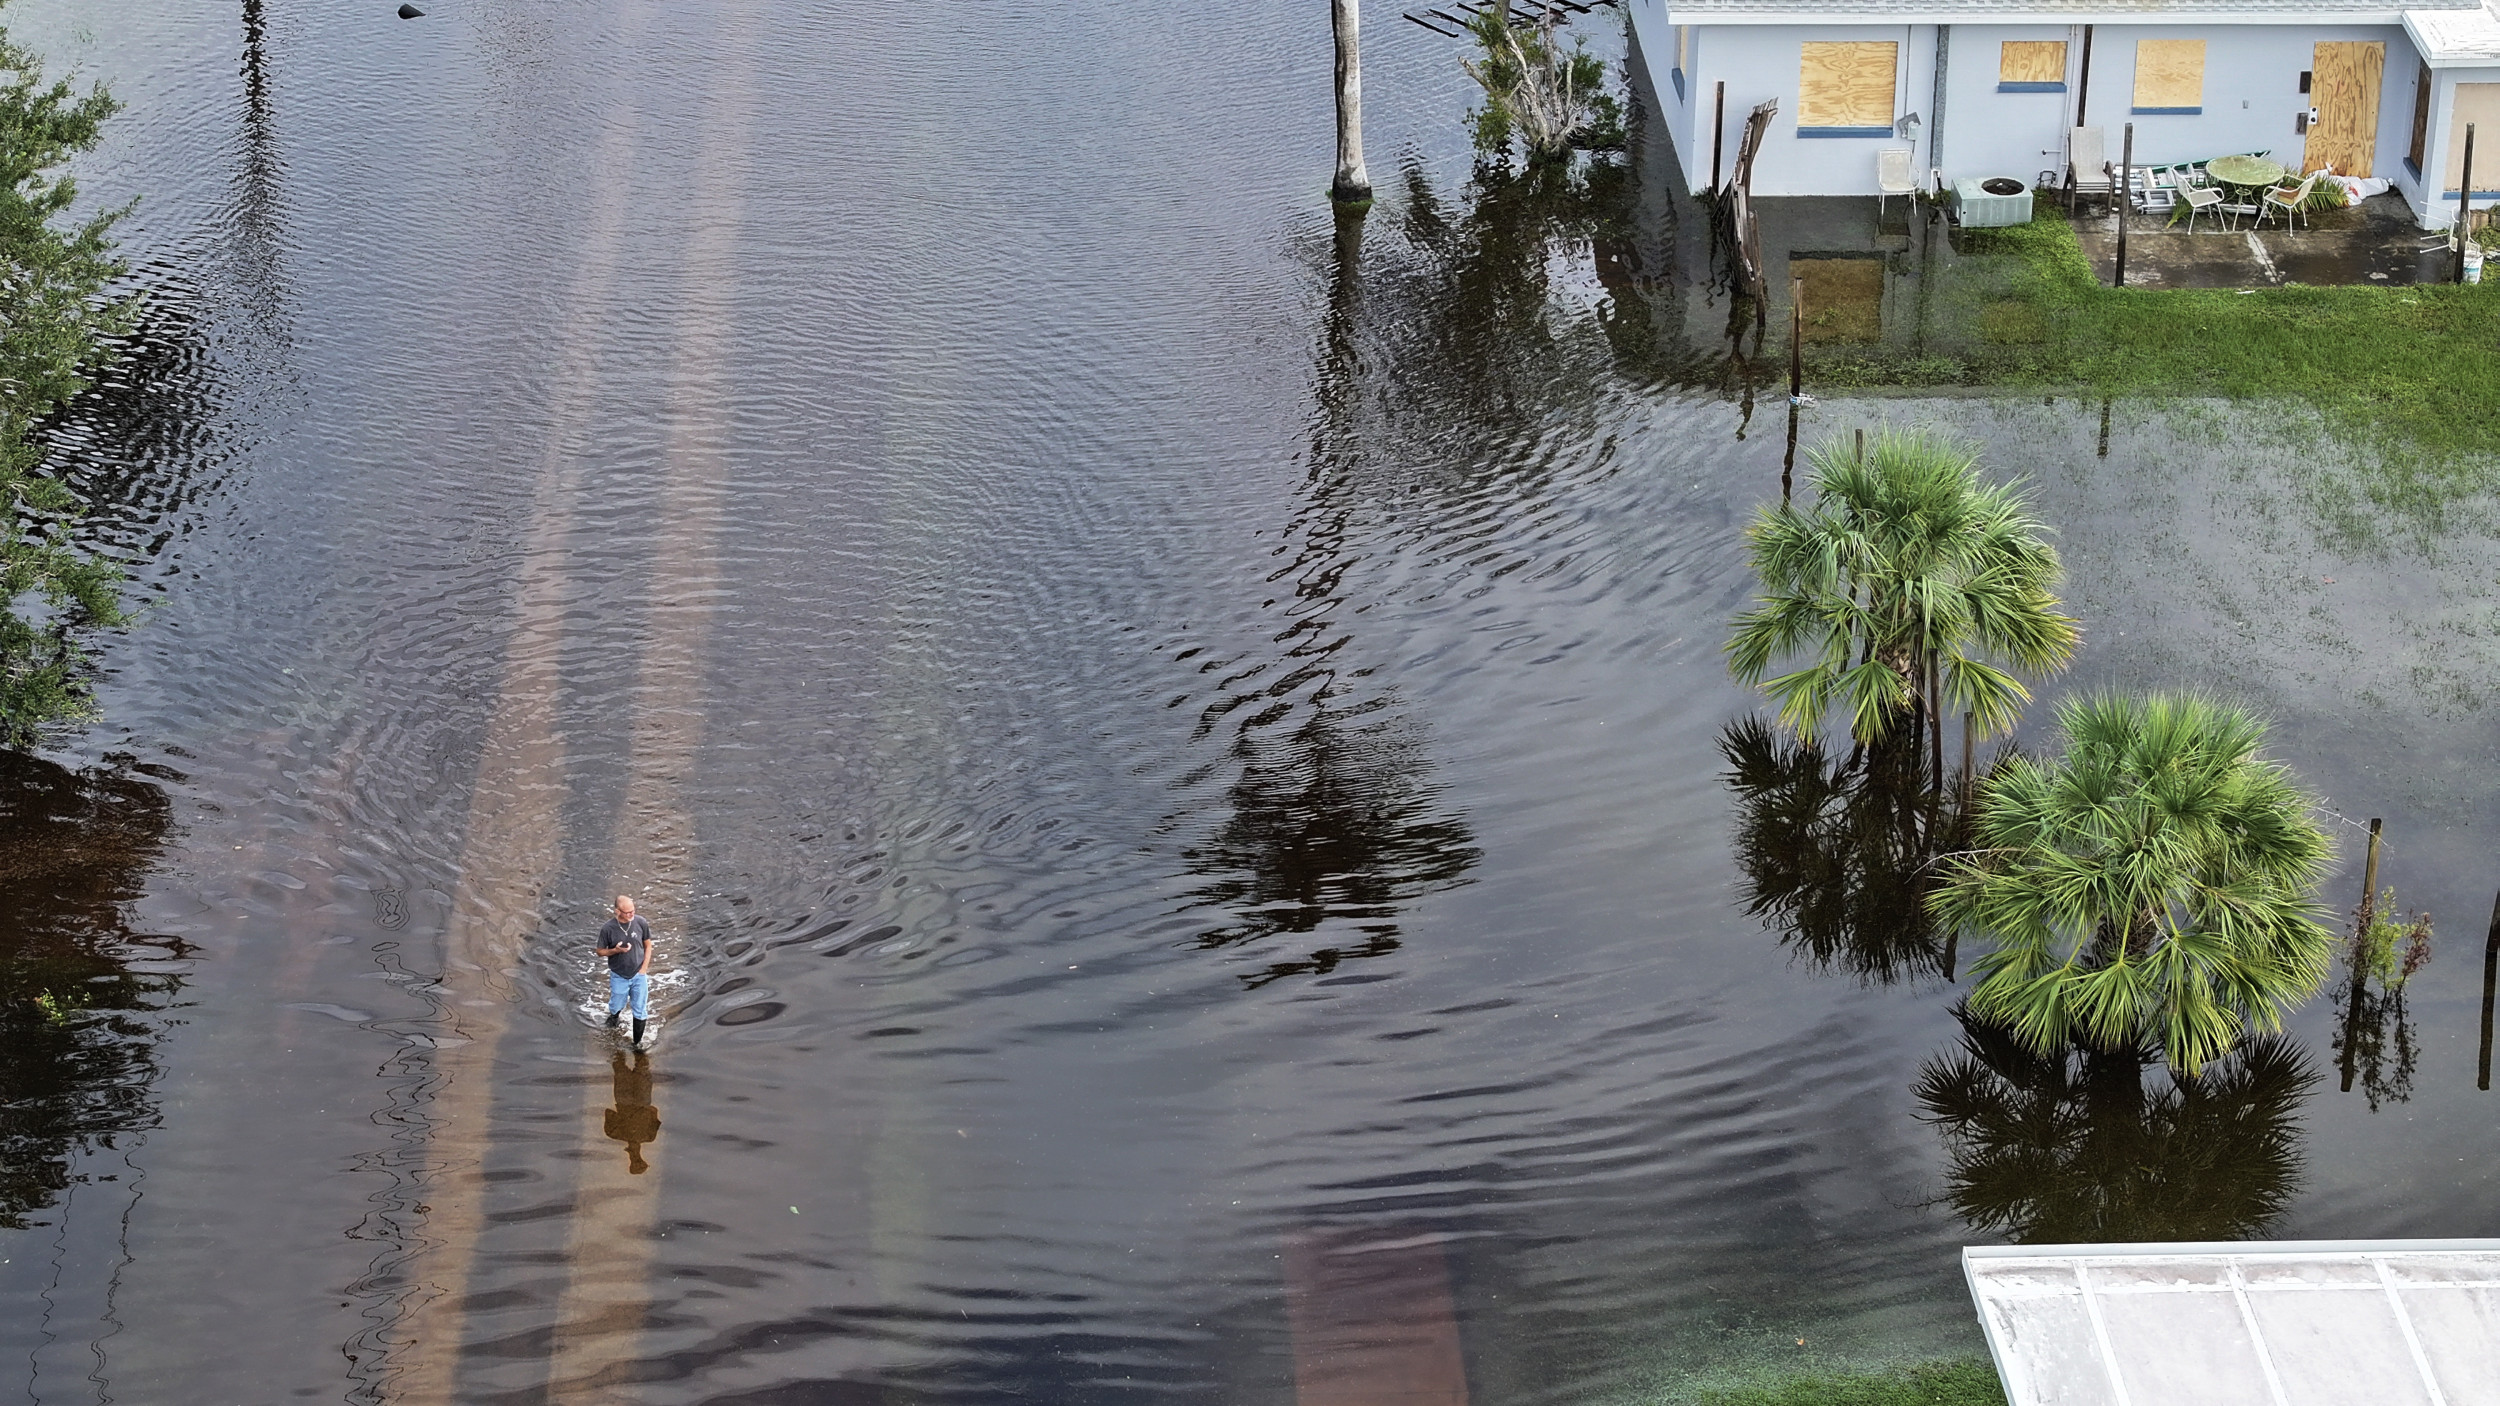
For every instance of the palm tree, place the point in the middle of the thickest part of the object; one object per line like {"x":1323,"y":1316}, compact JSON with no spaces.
{"x":2155,"y":884}
{"x":1912,"y":587}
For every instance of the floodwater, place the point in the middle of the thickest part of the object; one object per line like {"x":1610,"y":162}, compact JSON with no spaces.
{"x":1175,"y":750}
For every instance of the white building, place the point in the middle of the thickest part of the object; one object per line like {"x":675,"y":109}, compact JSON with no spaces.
{"x":1991,"y":87}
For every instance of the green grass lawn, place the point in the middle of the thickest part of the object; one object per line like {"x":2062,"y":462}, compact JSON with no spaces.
{"x":1936,"y":1384}
{"x":2408,"y":371}
{"x":2408,"y":376}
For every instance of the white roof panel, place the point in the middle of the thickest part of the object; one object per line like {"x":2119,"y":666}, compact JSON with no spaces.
{"x":2244,"y":1323}
{"x":2456,"y":38}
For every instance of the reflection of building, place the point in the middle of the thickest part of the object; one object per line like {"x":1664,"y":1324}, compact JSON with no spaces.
{"x":633,"y":1121}
{"x":1983,"y":88}
{"x":2090,"y":1146}
{"x":75,"y":1000}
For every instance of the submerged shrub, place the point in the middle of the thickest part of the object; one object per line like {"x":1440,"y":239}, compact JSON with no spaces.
{"x":1537,"y":92}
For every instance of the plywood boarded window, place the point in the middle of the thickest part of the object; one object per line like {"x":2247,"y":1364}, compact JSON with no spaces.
{"x":2414,"y":154}
{"x":1844,"y":298}
{"x":2170,"y":75}
{"x":2478,"y":103}
{"x":2031,"y":66}
{"x":1846,"y":89}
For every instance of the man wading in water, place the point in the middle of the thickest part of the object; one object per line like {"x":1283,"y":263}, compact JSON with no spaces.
{"x":626,"y":943}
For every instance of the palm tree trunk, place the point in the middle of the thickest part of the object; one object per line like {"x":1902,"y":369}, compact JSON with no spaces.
{"x":1353,"y":184}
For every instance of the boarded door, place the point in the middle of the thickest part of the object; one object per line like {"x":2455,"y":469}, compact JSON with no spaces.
{"x":2343,"y":87}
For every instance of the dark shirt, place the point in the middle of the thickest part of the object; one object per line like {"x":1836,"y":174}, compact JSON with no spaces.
{"x":635,"y":936}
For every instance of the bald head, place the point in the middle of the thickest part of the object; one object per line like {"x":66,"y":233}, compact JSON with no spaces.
{"x":624,"y":908}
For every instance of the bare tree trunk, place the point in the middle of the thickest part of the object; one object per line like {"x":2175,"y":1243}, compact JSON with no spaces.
{"x":1353,"y":184}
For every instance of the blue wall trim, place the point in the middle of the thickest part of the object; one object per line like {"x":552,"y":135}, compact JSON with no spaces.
{"x":1678,"y":75}
{"x":2166,"y":111}
{"x":2032,"y":88}
{"x":1844,"y":131}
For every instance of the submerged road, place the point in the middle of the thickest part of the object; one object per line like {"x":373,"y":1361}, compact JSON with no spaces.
{"x":509,"y":866}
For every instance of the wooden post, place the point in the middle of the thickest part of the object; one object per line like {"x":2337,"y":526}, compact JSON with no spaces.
{"x":2369,"y":877}
{"x":1718,"y":134}
{"x":2118,"y":196}
{"x":2465,"y":202}
{"x":2104,"y":451}
{"x":2491,"y":969}
{"x":1861,"y":444}
{"x":1796,"y":337}
{"x":2361,"y":926}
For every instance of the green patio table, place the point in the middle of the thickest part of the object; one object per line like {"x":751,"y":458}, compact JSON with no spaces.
{"x":2253,"y":171}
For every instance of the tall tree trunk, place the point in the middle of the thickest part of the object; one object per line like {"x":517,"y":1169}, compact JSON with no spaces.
{"x":1353,"y":183}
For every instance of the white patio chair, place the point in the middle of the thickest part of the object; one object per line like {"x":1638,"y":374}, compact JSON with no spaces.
{"x":1893,"y":176}
{"x":2201,"y":199}
{"x":2087,"y":167}
{"x":2287,"y":201}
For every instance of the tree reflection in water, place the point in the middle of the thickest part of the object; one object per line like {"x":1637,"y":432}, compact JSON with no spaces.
{"x":1838,"y":855}
{"x":1331,"y":824}
{"x":76,"y":1003}
{"x":2110,"y":1146}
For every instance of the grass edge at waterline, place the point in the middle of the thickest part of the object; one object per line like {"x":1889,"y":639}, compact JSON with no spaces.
{"x":1967,"y":1382}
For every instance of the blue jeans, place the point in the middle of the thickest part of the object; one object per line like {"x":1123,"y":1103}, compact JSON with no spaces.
{"x":635,"y":989}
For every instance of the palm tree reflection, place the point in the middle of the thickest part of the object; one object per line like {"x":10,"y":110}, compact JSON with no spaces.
{"x":1332,"y":828}
{"x":1838,"y":854}
{"x":2082,"y":1147}
{"x":75,"y":998}
{"x":1332,"y":823}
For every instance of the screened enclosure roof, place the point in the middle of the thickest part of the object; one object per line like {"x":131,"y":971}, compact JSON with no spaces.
{"x":2246,"y":1323}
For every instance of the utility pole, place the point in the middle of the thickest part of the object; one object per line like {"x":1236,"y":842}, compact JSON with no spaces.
{"x":1353,"y":186}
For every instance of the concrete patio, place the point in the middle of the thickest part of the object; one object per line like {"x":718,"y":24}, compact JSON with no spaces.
{"x":2376,"y":241}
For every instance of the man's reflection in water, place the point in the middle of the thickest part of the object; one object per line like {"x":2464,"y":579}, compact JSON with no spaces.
{"x":633,"y":1121}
